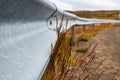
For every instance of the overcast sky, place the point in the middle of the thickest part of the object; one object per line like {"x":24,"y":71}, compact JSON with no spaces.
{"x":88,"y":4}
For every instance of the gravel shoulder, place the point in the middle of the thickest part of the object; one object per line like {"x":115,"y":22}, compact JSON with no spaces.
{"x":108,"y":52}
{"x":106,"y":64}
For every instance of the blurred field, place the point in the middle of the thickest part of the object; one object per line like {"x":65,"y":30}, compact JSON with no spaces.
{"x":98,"y":14}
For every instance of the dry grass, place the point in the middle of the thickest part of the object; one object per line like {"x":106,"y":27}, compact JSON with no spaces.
{"x":59,"y":58}
{"x":89,"y":33}
{"x":62,"y":61}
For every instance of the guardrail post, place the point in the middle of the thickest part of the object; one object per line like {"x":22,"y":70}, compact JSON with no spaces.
{"x":73,"y":32}
{"x":84,"y":28}
{"x":93,"y":26}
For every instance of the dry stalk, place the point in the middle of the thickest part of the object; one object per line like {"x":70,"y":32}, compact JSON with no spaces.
{"x":51,"y":49}
{"x":92,"y":50}
{"x":87,"y":59}
{"x":61,"y":22}
{"x":91,"y":59}
{"x":59,"y":27}
{"x":89,"y":47}
{"x":60,"y":38}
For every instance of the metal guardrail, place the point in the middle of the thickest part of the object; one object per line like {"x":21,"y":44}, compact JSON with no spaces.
{"x":25,"y":38}
{"x":26,"y":33}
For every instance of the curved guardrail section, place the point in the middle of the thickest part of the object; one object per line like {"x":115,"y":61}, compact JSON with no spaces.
{"x":25,"y":39}
{"x":27,"y":29}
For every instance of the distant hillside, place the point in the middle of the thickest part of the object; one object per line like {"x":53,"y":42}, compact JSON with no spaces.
{"x":98,"y":14}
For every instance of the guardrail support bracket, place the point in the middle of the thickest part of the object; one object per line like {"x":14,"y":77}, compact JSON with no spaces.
{"x":93,"y":26}
{"x":84,"y":28}
{"x":73,"y":32}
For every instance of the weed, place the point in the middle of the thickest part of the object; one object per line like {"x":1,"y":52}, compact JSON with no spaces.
{"x":71,"y":42}
{"x":84,"y":39}
{"x":82,"y":50}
